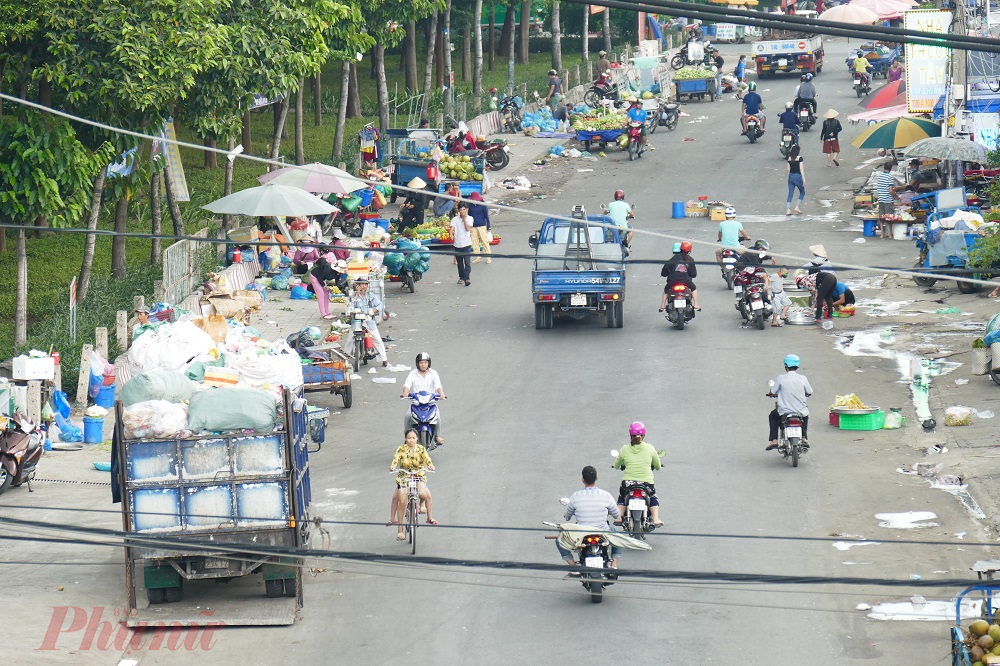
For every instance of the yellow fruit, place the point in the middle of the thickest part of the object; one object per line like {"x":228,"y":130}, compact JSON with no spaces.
{"x":979,"y":627}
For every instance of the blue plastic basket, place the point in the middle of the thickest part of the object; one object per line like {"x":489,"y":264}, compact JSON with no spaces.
{"x":465,"y":187}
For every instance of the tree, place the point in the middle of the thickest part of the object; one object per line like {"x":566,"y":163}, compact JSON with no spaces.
{"x":429,"y":65}
{"x":44,"y":171}
{"x":606,"y":29}
{"x":449,"y":87}
{"x":477,"y":52}
{"x":523,"y":54}
{"x":556,"y":38}
{"x":585,"y":32}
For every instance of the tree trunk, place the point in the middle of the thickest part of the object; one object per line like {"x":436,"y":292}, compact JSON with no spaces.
{"x":91,"y":240}
{"x":317,"y":99}
{"x":41,"y":222}
{"x":606,"y":29}
{"x":383,"y":88}
{"x":354,"y":95}
{"x":275,"y":114}
{"x":210,"y":155}
{"x":556,"y":38}
{"x":279,"y":132}
{"x":439,"y":57}
{"x":523,"y":53}
{"x":247,"y":134}
{"x":449,"y":93}
{"x":21,"y":307}
{"x":410,"y":57}
{"x":586,"y":34}
{"x":507,"y":35}
{"x":429,"y":65}
{"x":338,"y":136}
{"x":300,"y":150}
{"x":227,"y":186}
{"x":156,"y":215}
{"x":3,"y":241}
{"x":492,"y":30}
{"x":175,"y":210}
{"x":467,"y":53}
{"x":511,"y":56}
{"x":118,"y":258}
{"x":477,"y":52}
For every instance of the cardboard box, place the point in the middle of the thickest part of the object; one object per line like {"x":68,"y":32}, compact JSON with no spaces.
{"x":358,"y":269}
{"x":243,"y":234}
{"x":220,"y":377}
{"x":863,"y":200}
{"x":717,"y":214}
{"x":27,"y":367}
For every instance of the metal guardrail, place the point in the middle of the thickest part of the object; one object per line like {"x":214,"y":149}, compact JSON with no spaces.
{"x":179,"y":268}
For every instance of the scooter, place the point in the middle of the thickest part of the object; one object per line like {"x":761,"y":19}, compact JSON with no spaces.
{"x":680,"y":308}
{"x":751,"y":300}
{"x":729,"y":259}
{"x":862,"y":85}
{"x":667,"y":115}
{"x":623,"y":233}
{"x":788,"y":139}
{"x":754,"y":131}
{"x":497,"y":154}
{"x":635,"y":147}
{"x":364,"y":343}
{"x":510,"y":113}
{"x":790,"y":442}
{"x":424,"y":418}
{"x":637,"y":519}
{"x":685,"y":55}
{"x":596,"y":572}
{"x":805,"y":117}
{"x":601,"y":89}
{"x":21,"y":446}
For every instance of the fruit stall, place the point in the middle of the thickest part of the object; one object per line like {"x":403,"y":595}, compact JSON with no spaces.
{"x":468,"y":171}
{"x":437,"y":231}
{"x":979,"y":643}
{"x":601,"y":126}
{"x":695,"y":82}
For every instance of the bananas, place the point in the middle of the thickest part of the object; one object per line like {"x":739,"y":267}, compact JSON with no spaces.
{"x":848,"y":402}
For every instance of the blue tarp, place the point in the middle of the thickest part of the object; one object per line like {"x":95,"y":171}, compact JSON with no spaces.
{"x":599,"y":135}
{"x":654,"y":27}
{"x":985,"y":104}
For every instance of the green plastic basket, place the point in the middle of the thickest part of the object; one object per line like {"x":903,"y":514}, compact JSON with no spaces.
{"x":873,"y":421}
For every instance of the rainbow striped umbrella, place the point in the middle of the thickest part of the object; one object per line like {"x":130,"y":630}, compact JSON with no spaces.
{"x":898,"y":133}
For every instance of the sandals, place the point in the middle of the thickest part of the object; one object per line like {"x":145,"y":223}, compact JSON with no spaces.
{"x":431,"y":521}
{"x":400,"y":537}
{"x":391,"y":522}
{"x":776,"y":325}
{"x":328,"y":317}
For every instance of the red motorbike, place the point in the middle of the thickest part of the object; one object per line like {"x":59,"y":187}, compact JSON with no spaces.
{"x":21,"y":446}
{"x":635,"y":147}
{"x":752,"y":302}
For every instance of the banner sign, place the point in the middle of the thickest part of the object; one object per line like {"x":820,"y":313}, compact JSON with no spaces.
{"x":172,"y":157}
{"x":986,"y":129}
{"x":123,"y":168}
{"x":926,"y":66}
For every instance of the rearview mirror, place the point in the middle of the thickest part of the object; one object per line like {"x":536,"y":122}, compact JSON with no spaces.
{"x":564,"y":501}
{"x":770,"y":382}
{"x":533,"y":241}
{"x":614,"y":453}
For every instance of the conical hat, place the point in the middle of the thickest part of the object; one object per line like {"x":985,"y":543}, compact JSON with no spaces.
{"x":818,"y":250}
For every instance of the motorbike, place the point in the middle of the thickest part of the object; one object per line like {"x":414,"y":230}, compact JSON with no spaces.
{"x":510,"y":113}
{"x":497,"y":154}
{"x":788,"y":139}
{"x":687,"y":56}
{"x":754,"y":131}
{"x":806,"y":117}
{"x":635,"y":148}
{"x":21,"y":446}
{"x":595,"y":562}
{"x":680,"y":308}
{"x":667,"y":115}
{"x":752,"y":302}
{"x":601,"y":89}
{"x":790,"y":442}
{"x":424,"y":417}
{"x":637,"y":520}
{"x":729,"y":259}
{"x":862,"y":85}
{"x":409,"y":278}
{"x":623,"y":233}
{"x":364,"y":343}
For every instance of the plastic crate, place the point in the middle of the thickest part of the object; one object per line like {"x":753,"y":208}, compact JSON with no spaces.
{"x":862,"y":421}
{"x":465,"y":187}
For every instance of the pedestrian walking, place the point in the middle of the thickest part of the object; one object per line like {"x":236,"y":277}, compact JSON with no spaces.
{"x":481,"y":235}
{"x":719,"y":63}
{"x":830,"y":135}
{"x":796,"y":179}
{"x":555,"y":91}
{"x":461,"y":227}
{"x":884,"y":196}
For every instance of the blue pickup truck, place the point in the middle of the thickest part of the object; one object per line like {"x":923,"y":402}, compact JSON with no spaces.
{"x":579,"y":269}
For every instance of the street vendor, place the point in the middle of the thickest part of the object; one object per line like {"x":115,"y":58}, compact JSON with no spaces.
{"x":305,"y":256}
{"x":562,"y":114}
{"x":142,"y":322}
{"x":443,"y":206}
{"x":920,"y":181}
{"x":341,"y":250}
{"x":555,"y":94}
{"x":411,"y":213}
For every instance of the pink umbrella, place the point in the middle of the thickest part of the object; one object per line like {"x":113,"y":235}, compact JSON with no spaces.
{"x":850,"y":14}
{"x":885,"y":9}
{"x":872,"y":116}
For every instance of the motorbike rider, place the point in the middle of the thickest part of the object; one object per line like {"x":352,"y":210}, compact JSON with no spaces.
{"x":806,"y":94}
{"x":603,"y":69}
{"x":861,"y":66}
{"x":424,"y":378}
{"x":639,"y":459}
{"x":790,"y":390}
{"x":752,"y":106}
{"x":620,"y":213}
{"x":363,"y":300}
{"x":591,"y":506}
{"x":789,"y":120}
{"x":730,"y":233}
{"x":637,"y":114}
{"x":494,"y":96}
{"x":680,"y":269}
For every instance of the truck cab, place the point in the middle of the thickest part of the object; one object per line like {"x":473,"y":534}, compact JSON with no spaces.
{"x":579,"y":269}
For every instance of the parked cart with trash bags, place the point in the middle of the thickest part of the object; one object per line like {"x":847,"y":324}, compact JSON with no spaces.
{"x":944,"y":242}
{"x":408,"y":264}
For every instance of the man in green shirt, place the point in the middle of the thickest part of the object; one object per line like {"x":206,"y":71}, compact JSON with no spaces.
{"x":639,"y":459}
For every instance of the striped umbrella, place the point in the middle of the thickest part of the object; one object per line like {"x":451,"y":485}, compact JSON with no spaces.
{"x":850,"y":14}
{"x":885,"y":96}
{"x":898,"y":133}
{"x":872,"y":116}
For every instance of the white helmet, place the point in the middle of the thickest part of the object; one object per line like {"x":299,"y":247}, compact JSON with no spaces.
{"x":788,"y":105}
{"x":730,"y":213}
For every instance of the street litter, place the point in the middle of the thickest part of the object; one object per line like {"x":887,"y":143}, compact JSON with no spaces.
{"x":398,"y":368}
{"x":906,"y":520}
{"x":687,"y":138}
{"x":928,"y":611}
{"x":961,"y":382}
{"x":859,"y":240}
{"x":372,"y":371}
{"x":583,"y":170}
{"x":862,"y":607}
{"x":573,"y":152}
{"x":847,"y":545}
{"x":518,"y":184}
{"x":384,"y":380}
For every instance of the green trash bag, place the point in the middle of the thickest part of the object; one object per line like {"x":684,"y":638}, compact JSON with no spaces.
{"x":351,"y":203}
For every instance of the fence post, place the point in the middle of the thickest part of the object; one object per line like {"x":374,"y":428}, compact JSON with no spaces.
{"x":57,"y":380}
{"x":462,"y":109}
{"x":158,"y":290}
{"x":35,"y":401}
{"x":121,"y":330}
{"x":83,"y":383}
{"x":440,"y":120}
{"x":524,"y":90}
{"x":342,"y":166}
{"x":101,"y":341}
{"x":576,"y":74}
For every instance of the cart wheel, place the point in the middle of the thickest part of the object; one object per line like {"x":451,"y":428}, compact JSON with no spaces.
{"x":967,"y":287}
{"x":156,"y":595}
{"x":173,"y":594}
{"x":348,"y":397}
{"x":274,"y":588}
{"x":290,"y":587}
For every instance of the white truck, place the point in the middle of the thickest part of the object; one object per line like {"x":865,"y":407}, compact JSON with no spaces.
{"x":792,"y":53}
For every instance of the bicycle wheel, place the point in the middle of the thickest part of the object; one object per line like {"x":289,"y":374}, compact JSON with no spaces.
{"x":414,"y":520}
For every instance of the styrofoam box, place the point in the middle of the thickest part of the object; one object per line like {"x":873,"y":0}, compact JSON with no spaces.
{"x":26,"y":367}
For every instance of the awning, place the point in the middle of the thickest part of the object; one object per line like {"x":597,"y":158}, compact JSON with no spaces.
{"x":984,"y":104}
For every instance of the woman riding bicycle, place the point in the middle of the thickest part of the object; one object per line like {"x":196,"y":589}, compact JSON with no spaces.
{"x":410,"y":457}
{"x":639,"y":459}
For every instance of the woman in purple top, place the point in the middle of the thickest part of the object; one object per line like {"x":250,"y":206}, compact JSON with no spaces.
{"x":895,"y":71}
{"x":305,"y":256}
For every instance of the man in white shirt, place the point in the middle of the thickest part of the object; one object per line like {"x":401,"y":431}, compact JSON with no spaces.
{"x":424,"y":378}
{"x":461,"y":230}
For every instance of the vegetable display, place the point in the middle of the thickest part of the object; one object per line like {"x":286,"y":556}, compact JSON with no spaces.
{"x":688,"y":73}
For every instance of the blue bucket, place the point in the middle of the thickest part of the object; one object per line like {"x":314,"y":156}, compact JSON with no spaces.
{"x":711,"y":31}
{"x":679,"y":210}
{"x":870,"y":227}
{"x":93,"y":430}
{"x":106,"y":397}
{"x":382,"y":224}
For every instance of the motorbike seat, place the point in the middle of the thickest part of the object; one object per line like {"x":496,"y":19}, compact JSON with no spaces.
{"x":671,"y":106}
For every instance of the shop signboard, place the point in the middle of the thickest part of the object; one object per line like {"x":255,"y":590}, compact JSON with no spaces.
{"x":926,"y":66}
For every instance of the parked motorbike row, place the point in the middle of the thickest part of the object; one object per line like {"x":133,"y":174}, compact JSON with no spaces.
{"x":21,"y":446}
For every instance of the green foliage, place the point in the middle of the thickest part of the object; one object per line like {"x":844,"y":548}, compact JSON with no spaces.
{"x":986,"y":252}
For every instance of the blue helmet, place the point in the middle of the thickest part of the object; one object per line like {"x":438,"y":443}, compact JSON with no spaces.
{"x":792,"y":361}
{"x":676,"y":248}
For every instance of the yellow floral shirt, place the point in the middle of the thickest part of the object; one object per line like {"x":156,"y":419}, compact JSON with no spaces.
{"x":410,"y":459}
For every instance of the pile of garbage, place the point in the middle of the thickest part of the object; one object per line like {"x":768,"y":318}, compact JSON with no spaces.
{"x":412,"y":255}
{"x":539,"y":121}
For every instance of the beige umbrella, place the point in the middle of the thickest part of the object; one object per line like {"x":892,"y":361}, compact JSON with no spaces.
{"x":315,"y":177}
{"x":270,"y":201}
{"x":850,"y":14}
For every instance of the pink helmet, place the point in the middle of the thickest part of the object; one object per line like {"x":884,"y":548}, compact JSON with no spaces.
{"x":637,"y":429}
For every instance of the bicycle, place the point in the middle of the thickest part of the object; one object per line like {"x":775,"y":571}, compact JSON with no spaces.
{"x":411,"y":518}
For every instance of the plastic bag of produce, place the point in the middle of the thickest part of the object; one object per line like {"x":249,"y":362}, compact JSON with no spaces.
{"x":227,"y":409}
{"x":407,"y":244}
{"x":279,"y":282}
{"x":154,"y":419}
{"x":300,"y":293}
{"x":958,"y":416}
{"x":413,"y":262}
{"x":393,"y":261}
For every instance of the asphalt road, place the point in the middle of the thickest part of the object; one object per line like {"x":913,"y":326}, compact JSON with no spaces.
{"x":528,"y":409}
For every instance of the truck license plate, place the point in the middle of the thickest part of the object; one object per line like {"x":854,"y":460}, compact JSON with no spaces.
{"x":578,"y":299}
{"x":594,"y":562}
{"x":637,"y":505}
{"x":782,"y":62}
{"x":793,"y":431}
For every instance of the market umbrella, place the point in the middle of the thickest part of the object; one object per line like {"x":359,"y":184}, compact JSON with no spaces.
{"x":270,"y":201}
{"x":944,"y":148}
{"x":885,"y":96}
{"x":872,"y":116}
{"x":850,"y":14}
{"x":886,"y":9}
{"x":897,"y":133}
{"x":315,"y":177}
